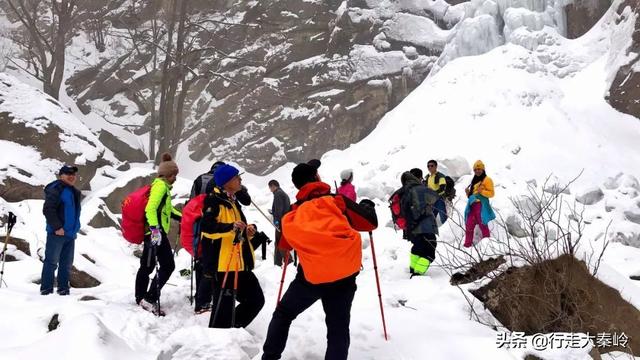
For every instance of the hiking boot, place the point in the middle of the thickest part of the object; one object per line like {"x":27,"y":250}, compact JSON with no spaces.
{"x":203,"y":309}
{"x":63,"y":292}
{"x":152,"y":308}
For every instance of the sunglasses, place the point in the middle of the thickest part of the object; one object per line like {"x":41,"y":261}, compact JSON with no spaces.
{"x":430,"y":166}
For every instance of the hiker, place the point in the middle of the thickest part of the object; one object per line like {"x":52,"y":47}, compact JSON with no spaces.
{"x":478,"y":210}
{"x":319,"y":227}
{"x":62,"y":213}
{"x":281,"y":205}
{"x":436,"y":181}
{"x":158,"y":214}
{"x":228,"y":249}
{"x":417,"y":173}
{"x":346,"y":187}
{"x":204,"y":184}
{"x":416,"y":206}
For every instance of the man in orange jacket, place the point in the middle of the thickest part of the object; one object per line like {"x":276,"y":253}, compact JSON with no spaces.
{"x":323,"y":229}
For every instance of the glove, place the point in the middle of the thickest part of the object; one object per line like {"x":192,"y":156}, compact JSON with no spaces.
{"x":156,"y":237}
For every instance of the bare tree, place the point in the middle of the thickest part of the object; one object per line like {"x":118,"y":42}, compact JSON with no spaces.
{"x":178,"y":60}
{"x":47,"y":28}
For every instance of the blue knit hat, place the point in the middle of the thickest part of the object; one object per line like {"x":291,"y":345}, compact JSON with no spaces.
{"x":224,"y":173}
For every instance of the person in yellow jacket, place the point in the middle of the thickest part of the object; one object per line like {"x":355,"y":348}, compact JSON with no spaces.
{"x":158,"y":213}
{"x":478,"y":211}
{"x":228,"y":248}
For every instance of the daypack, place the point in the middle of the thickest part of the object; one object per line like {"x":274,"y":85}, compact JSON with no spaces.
{"x":207,"y":183}
{"x":134,"y":220}
{"x":396,"y":209}
{"x":328,"y":247}
{"x":422,"y":200}
{"x":190,"y":224}
{"x":450,"y":189}
{"x":133,"y":217}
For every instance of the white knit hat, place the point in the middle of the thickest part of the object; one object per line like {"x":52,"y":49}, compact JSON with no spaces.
{"x":346,"y":174}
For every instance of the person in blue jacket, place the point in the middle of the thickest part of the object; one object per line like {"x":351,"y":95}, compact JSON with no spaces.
{"x":62,"y":211}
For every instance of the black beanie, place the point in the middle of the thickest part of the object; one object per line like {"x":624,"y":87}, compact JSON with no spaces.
{"x":303,"y":174}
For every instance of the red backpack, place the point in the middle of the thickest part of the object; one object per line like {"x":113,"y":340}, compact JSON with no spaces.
{"x":134,"y":220}
{"x":190,"y":224}
{"x":396,"y":215}
{"x":133,"y":216}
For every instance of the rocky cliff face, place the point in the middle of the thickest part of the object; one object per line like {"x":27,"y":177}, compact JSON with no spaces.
{"x":46,"y":135}
{"x":299,"y":77}
{"x":625,"y":87}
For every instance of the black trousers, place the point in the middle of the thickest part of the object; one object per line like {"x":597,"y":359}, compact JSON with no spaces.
{"x":164,"y":254}
{"x":336,"y":300}
{"x":208,"y":272}
{"x":424,"y":245}
{"x":249,"y":296}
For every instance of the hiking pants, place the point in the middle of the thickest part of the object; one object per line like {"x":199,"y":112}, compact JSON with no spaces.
{"x":208,"y":271}
{"x":164,"y":255}
{"x":423,"y":252}
{"x":336,"y":300}
{"x":249,"y":295}
{"x":58,"y":254}
{"x":475,"y":218}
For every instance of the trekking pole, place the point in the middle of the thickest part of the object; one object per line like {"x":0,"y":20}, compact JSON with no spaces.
{"x":265,"y":216}
{"x":157,"y":279}
{"x":335,"y":183}
{"x":235,"y":291}
{"x":11,"y":220}
{"x":191,"y":293}
{"x":284,"y":272}
{"x":375,"y":269}
{"x":224,"y":282}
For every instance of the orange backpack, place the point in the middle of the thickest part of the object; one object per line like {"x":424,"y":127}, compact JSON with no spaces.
{"x":328,"y":247}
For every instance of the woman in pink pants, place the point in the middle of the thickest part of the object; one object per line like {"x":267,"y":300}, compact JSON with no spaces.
{"x":478,"y":211}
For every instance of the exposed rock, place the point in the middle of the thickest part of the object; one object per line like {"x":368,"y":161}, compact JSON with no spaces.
{"x":54,"y":323}
{"x":102,"y":220}
{"x":121,"y":149}
{"x":633,"y":215}
{"x":9,"y":258}
{"x":477,"y":271}
{"x":80,"y":279}
{"x":13,"y":190}
{"x":47,"y":137}
{"x":583,"y":14}
{"x":514,"y":227}
{"x":625,"y":89}
{"x":88,"y":298}
{"x":573,"y":301}
{"x":20,"y":244}
{"x":590,"y":196}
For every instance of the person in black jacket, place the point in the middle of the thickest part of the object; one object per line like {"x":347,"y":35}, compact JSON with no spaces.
{"x":62,"y":212}
{"x":204,"y":184}
{"x":281,"y":205}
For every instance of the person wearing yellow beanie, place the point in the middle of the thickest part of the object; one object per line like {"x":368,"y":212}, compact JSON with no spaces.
{"x":478,"y":211}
